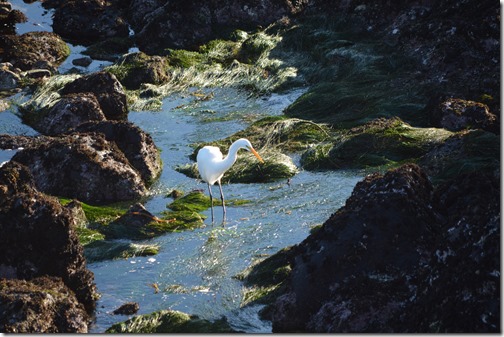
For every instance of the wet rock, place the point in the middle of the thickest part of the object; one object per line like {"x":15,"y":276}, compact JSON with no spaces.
{"x":136,"y":224}
{"x":41,"y":305}
{"x":457,"y":114}
{"x":396,"y":257}
{"x":33,"y":50}
{"x":170,"y":321}
{"x":66,"y":114}
{"x":38,"y":237}
{"x":101,"y":250}
{"x":83,"y":166}
{"x":82,"y":61}
{"x":141,"y":68}
{"x":107,"y":89}
{"x":207,"y":19}
{"x":89,"y":20}
{"x":8,"y":80}
{"x":129,"y":308}
{"x":137,"y":146}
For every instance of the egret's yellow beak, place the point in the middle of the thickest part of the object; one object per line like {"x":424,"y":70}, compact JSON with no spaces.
{"x":257,"y":155}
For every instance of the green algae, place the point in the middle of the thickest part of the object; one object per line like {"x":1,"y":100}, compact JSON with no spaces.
{"x":264,"y":280}
{"x":381,"y":142}
{"x":170,"y":321}
{"x":111,"y":250}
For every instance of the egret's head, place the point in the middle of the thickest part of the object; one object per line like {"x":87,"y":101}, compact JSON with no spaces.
{"x":245,"y":144}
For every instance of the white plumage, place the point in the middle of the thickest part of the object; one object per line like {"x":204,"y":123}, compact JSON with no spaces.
{"x":212,"y":165}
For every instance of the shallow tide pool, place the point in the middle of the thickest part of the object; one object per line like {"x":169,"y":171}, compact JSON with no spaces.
{"x":194,"y":269}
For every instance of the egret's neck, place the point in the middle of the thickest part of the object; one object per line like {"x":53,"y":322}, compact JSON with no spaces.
{"x":231,"y":157}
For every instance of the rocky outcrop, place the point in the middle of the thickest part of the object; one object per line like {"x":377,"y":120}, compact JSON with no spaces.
{"x":137,"y":146}
{"x":207,"y":20}
{"x":83,"y":166}
{"x":89,"y":20}
{"x":34,"y":50}
{"x":42,"y":305}
{"x":107,"y":89}
{"x":38,"y":239}
{"x":396,"y":257}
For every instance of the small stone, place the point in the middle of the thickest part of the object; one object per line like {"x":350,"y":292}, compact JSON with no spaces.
{"x":129,"y":308}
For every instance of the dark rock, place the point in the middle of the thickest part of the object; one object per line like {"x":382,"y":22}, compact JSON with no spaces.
{"x":136,"y":145}
{"x":83,"y":166}
{"x":9,"y":18}
{"x":399,"y":257}
{"x":28,"y":50}
{"x":82,"y":61}
{"x":8,"y":79}
{"x":38,"y":237}
{"x":385,"y":229}
{"x":37,"y":73}
{"x":67,"y":113}
{"x":10,"y":142}
{"x":129,"y":308}
{"x":89,"y":20}
{"x":458,"y":289}
{"x":457,"y":114}
{"x":107,"y":89}
{"x":206,"y":19}
{"x":41,"y":305}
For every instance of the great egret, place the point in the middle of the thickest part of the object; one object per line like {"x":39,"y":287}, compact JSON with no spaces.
{"x":212,"y":165}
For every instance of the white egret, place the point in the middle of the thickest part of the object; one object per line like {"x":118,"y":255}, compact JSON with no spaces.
{"x":212,"y":165}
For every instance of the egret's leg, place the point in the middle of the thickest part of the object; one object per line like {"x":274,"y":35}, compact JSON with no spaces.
{"x":211,"y":200}
{"x":223,"y":204}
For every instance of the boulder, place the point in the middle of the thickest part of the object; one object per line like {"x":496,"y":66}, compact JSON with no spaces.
{"x":38,"y":237}
{"x":107,"y":89}
{"x":83,"y":166}
{"x":67,"y":113}
{"x":137,"y":146}
{"x":457,"y":114}
{"x":33,"y":50}
{"x":41,"y":305}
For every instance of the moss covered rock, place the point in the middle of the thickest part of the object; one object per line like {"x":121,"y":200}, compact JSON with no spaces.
{"x":380,"y":142}
{"x":170,"y":321}
{"x":135,"y":69}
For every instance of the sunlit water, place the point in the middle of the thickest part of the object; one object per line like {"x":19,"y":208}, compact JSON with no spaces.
{"x":200,"y":264}
{"x":205,"y":260}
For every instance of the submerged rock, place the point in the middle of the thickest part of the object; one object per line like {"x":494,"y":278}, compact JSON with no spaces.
{"x":38,"y":237}
{"x":41,"y":305}
{"x":83,"y":166}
